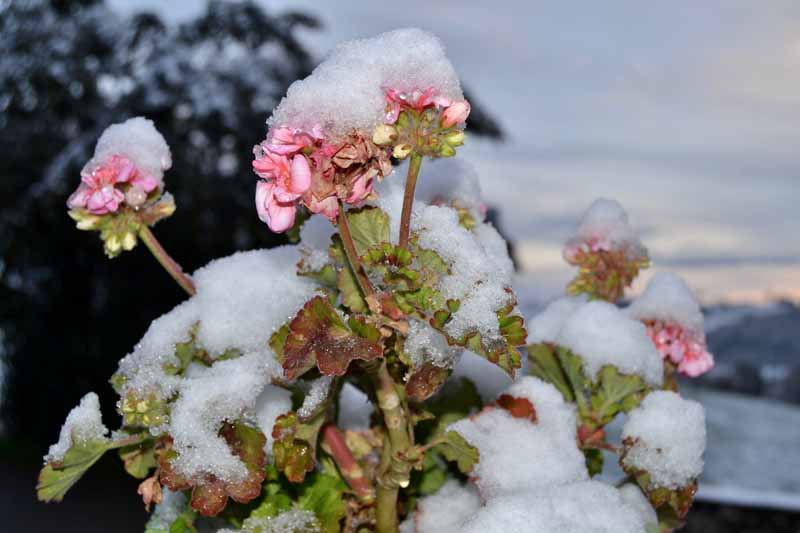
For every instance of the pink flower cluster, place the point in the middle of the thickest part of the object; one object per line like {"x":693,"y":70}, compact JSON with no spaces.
{"x":685,"y":349}
{"x":455,"y":112}
{"x":114,"y":181}
{"x":576,"y":247}
{"x":302,"y":166}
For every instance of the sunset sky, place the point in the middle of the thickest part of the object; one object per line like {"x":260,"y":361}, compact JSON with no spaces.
{"x":686,"y":112}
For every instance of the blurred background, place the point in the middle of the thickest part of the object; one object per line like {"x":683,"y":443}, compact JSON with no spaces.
{"x":688,"y":113}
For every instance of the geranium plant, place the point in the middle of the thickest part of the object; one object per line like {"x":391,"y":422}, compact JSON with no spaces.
{"x":324,"y":386}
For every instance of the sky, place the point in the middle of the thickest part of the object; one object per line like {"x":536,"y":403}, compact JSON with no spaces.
{"x":686,"y":112}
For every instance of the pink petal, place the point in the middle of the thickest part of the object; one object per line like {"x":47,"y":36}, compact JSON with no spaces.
{"x":281,"y":216}
{"x":301,"y":175}
{"x":456,"y":113}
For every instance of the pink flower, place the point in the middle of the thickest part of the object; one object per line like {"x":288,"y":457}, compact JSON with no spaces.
{"x":362,"y":187}
{"x":291,"y":177}
{"x":328,"y":207}
{"x":685,"y":349}
{"x":416,"y":100}
{"x":279,"y":216}
{"x":287,"y":141}
{"x":456,"y":113}
{"x":99,"y":193}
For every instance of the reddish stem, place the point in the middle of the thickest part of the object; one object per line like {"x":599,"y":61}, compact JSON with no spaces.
{"x":348,"y":466}
{"x":169,"y":264}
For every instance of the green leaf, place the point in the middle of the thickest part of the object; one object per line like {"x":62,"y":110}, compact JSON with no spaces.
{"x":455,"y":448}
{"x":278,"y":341}
{"x":369,"y":227}
{"x":573,"y":370}
{"x":617,"y":392}
{"x":546,"y":366}
{"x":349,"y":290}
{"x":594,"y":461}
{"x":432,"y":476}
{"x":138,"y":458}
{"x":456,"y":400}
{"x":318,"y":336}
{"x":324,"y":496}
{"x":274,"y":496}
{"x":184,"y":523}
{"x":56,"y":479}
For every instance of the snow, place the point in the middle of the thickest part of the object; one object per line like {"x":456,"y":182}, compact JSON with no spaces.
{"x":605,"y":222}
{"x":669,"y":438}
{"x":603,"y":335}
{"x":339,"y":101}
{"x":226,"y":391}
{"x":635,"y":498}
{"x":426,"y":345}
{"x":668,"y":299}
{"x":477,"y":279}
{"x":294,"y":521}
{"x":488,"y":378}
{"x":589,"y":506}
{"x":166,"y":512}
{"x":549,"y":446}
{"x":241,"y":300}
{"x":84,"y":423}
{"x":546,"y":325}
{"x":271,"y":403}
{"x":245,"y":297}
{"x":316,"y":395}
{"x":445,"y":510}
{"x":355,"y":409}
{"x":138,"y":140}
{"x":451,"y":181}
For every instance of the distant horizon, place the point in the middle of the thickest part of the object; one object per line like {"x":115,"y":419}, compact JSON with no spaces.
{"x":686,"y":113}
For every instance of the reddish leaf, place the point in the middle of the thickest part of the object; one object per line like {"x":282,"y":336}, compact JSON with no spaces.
{"x":318,"y":336}
{"x":210,"y":494}
{"x":295,"y":445}
{"x":518,"y":407}
{"x":425,"y":381}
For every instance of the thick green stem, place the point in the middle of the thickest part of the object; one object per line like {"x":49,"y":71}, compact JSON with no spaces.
{"x":394,"y":469}
{"x":408,"y":198}
{"x":169,"y":264}
{"x":353,"y":257}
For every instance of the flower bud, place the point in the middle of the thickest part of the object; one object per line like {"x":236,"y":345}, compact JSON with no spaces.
{"x":456,"y":113}
{"x":401,"y":151}
{"x":455,"y":138}
{"x":447,"y":151}
{"x":135,"y":197}
{"x":113,"y":245}
{"x":128,"y":241}
{"x":384,"y":135}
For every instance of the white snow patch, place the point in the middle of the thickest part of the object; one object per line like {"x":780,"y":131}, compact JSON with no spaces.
{"x":547,"y":447}
{"x":546,"y":325}
{"x":84,"y":423}
{"x":339,"y":101}
{"x":606,"y":222}
{"x":138,"y":140}
{"x":426,"y":345}
{"x":603,"y":335}
{"x":669,"y":435}
{"x":667,"y":298}
{"x":271,"y":403}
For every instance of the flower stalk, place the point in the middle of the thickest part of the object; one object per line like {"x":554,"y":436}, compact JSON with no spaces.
{"x":169,"y":264}
{"x":351,"y":471}
{"x":408,"y":198}
{"x":394,"y":471}
{"x":353,"y":258}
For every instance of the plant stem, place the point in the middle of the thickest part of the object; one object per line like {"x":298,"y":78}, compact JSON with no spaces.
{"x":394,"y":471}
{"x":348,"y":466}
{"x":169,"y":264}
{"x":353,"y":257}
{"x":408,"y":198}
